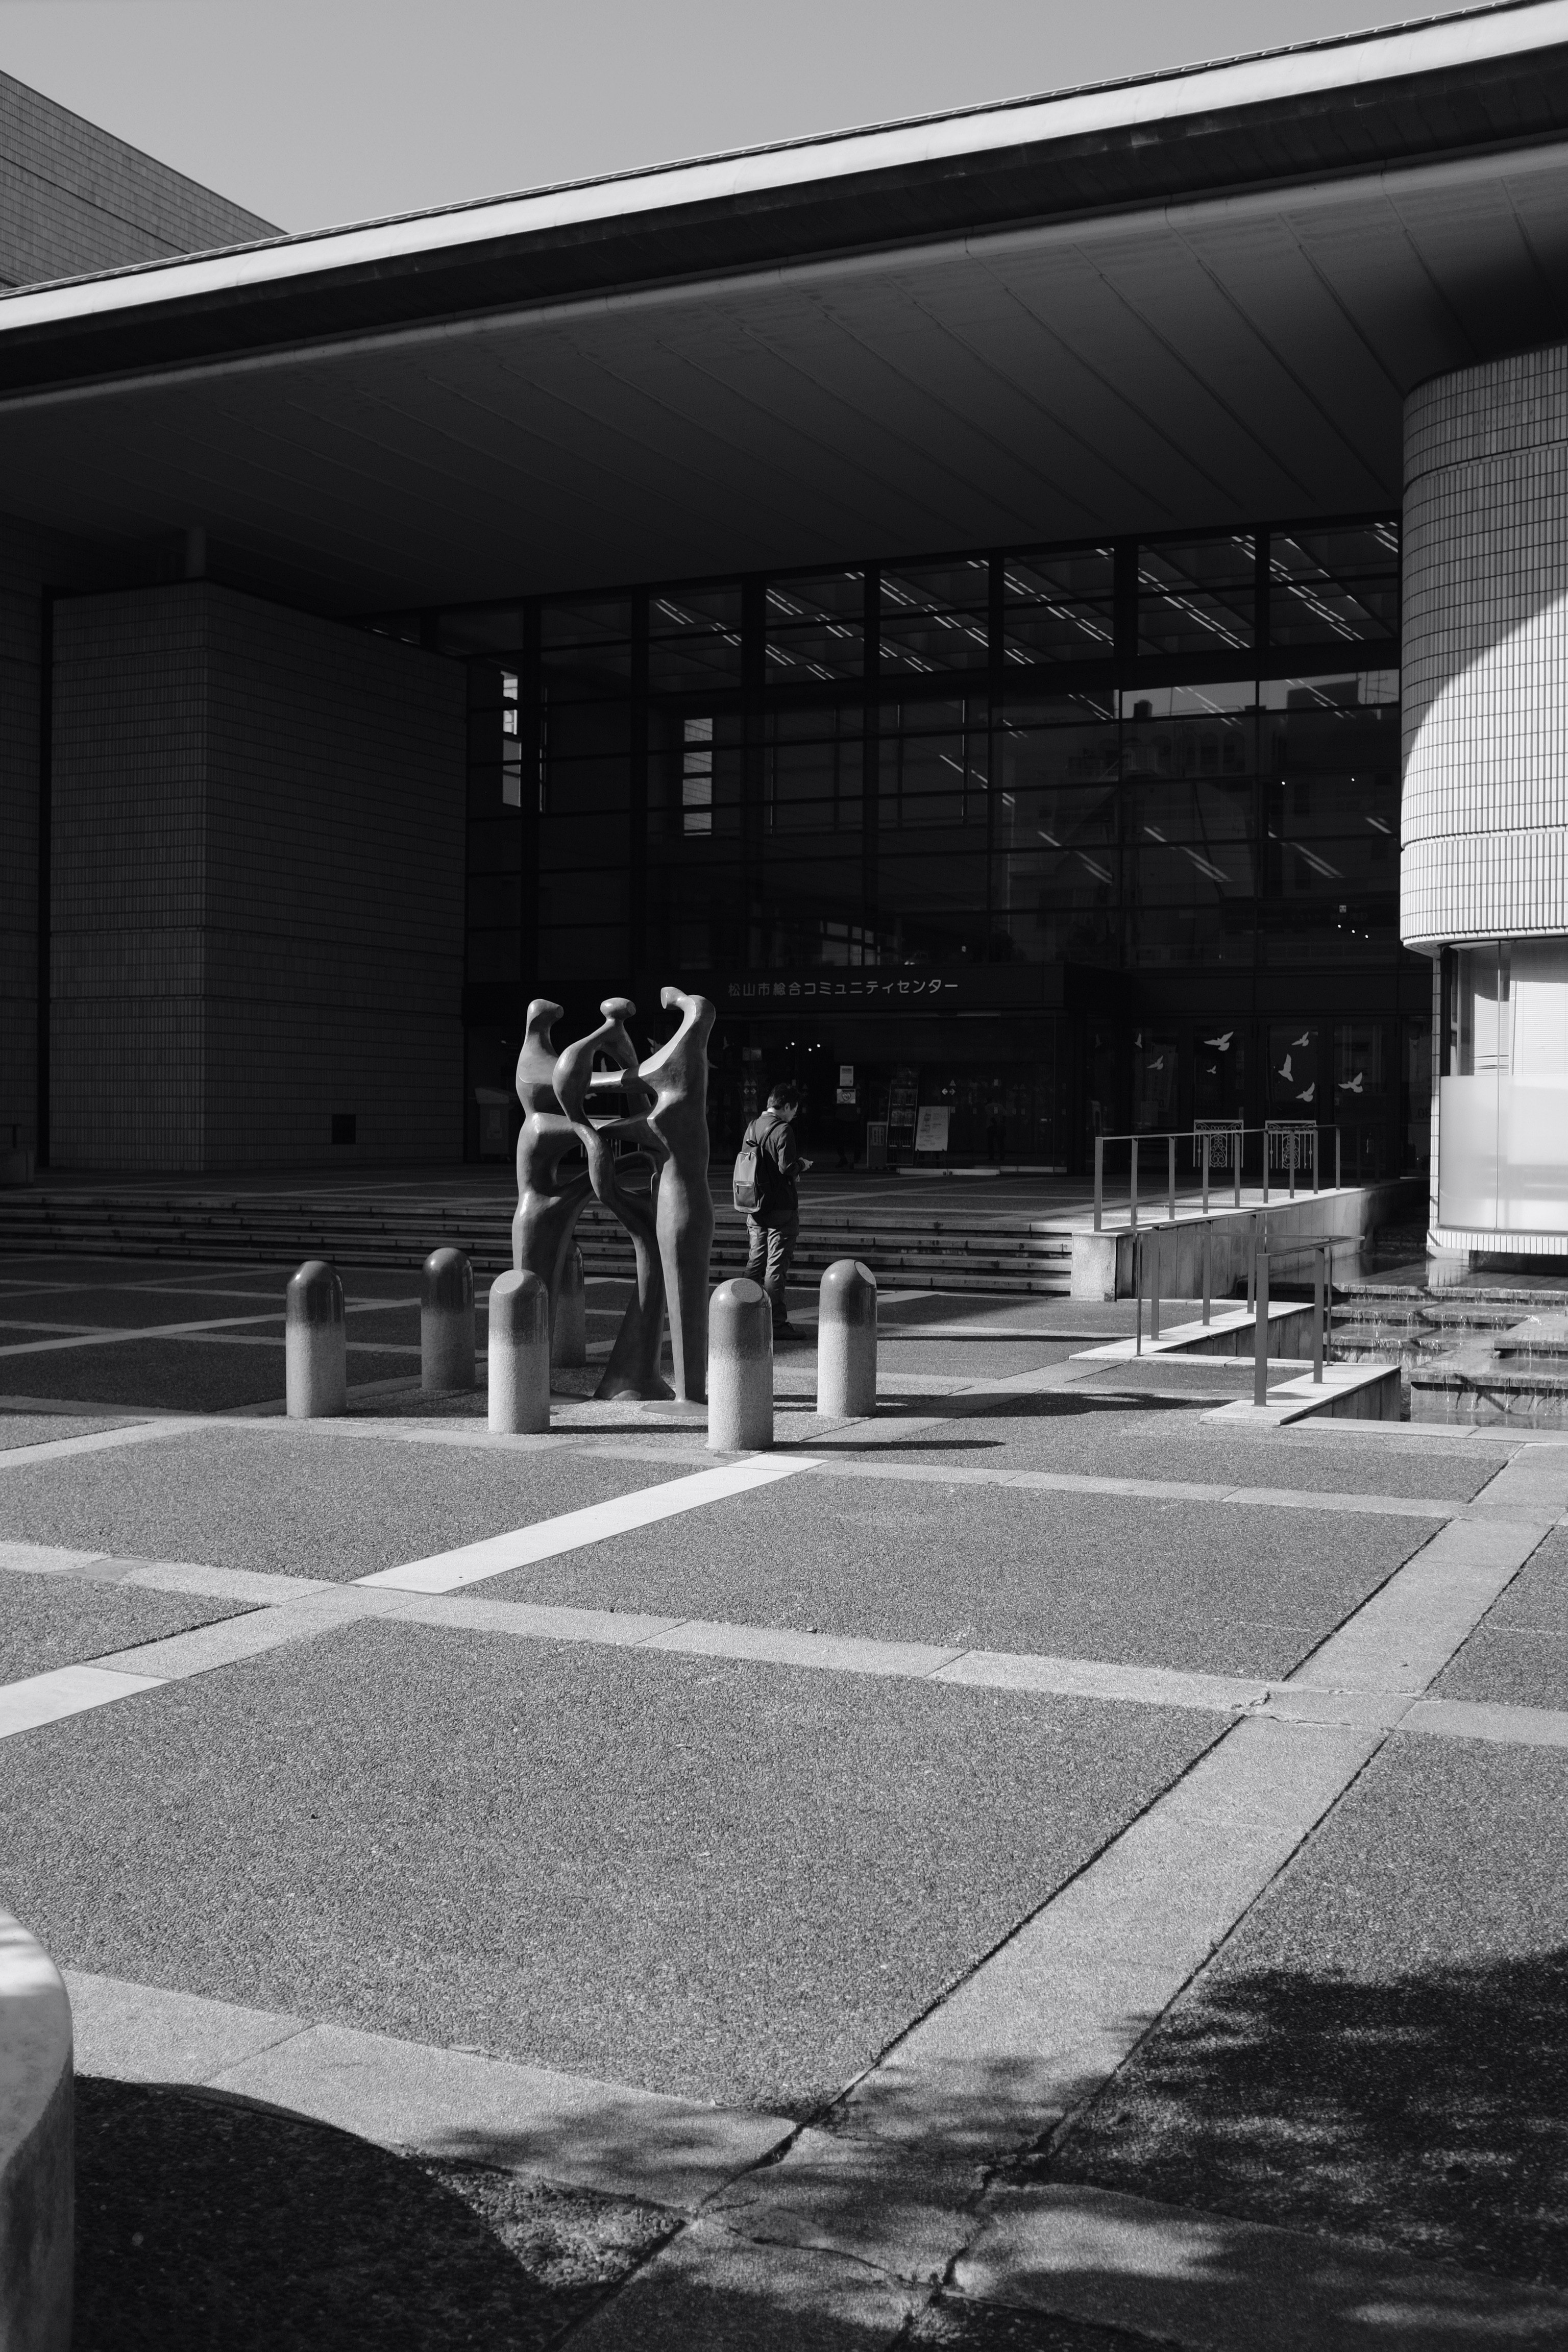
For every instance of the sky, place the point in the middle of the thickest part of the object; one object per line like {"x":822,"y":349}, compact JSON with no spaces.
{"x":316,"y":111}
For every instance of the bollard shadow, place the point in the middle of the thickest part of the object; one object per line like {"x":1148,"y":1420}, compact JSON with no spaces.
{"x":208,"y":2223}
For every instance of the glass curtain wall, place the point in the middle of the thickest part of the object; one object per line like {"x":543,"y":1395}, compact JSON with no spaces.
{"x":1160,"y":757}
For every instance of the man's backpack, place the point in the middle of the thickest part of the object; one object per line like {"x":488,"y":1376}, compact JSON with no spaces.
{"x":755,"y":1171}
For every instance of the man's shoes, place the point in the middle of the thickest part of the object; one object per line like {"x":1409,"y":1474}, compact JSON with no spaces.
{"x":788,"y":1332}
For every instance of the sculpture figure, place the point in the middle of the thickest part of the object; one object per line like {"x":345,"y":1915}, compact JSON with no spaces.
{"x":633,"y":1369}
{"x":659,"y":1111}
{"x":684,"y":1213}
{"x":548,"y":1206}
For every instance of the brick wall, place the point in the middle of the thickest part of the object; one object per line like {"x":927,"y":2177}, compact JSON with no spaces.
{"x":1484,"y":682}
{"x":74,"y":199}
{"x":257,"y":902}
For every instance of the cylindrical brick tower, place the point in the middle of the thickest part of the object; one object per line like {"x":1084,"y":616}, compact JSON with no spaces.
{"x":1484,"y":872}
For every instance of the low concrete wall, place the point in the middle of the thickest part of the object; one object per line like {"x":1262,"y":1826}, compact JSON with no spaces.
{"x":1102,"y":1263}
{"x":36,"y":2188}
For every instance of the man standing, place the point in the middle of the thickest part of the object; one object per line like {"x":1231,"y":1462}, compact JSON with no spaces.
{"x":773,"y":1226}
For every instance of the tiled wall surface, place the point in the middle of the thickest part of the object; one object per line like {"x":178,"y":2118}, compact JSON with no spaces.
{"x":74,"y":199}
{"x":1486,"y":653}
{"x":259,"y":887}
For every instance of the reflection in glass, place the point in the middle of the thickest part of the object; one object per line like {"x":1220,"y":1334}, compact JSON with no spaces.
{"x":1189,"y":731}
{"x":934,"y":770}
{"x":1155,"y":1061}
{"x":1060,"y":607}
{"x":1197,"y":597}
{"x":935,"y":616}
{"x":1328,"y":587}
{"x":814,"y":627}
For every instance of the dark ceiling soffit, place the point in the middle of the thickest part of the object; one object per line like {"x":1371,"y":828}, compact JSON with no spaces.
{"x":1462,"y":110}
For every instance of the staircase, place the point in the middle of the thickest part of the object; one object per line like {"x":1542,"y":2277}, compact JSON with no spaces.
{"x":909,"y":1250}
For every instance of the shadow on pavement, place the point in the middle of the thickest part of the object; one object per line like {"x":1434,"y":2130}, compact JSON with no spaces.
{"x":1429,"y":2112}
{"x":210,"y":2224}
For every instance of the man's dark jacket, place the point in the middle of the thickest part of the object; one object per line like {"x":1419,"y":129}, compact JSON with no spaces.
{"x":778,"y":1195}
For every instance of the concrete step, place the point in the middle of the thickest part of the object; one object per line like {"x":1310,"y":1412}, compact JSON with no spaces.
{"x":914,"y":1250}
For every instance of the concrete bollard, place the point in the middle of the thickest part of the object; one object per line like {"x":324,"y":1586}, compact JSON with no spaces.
{"x":846,"y":1341}
{"x":740,"y":1368}
{"x":445,"y":1322}
{"x":519,"y":1355}
{"x":315,"y":1343}
{"x":571,"y":1346}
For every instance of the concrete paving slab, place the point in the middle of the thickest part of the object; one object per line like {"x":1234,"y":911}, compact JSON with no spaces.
{"x":1065,"y":1432}
{"x":172,"y":1373}
{"x":108,"y":1438}
{"x":857,"y":2198}
{"x":709,"y":2292}
{"x":464,"y":2106}
{"x":1380,"y":2050}
{"x":146,"y":2033}
{"x":1517,"y":1658}
{"x":1198,"y":1587}
{"x":711,"y":1879}
{"x":1031,"y":2035}
{"x":283,"y":1505}
{"x":1410,"y":1630}
{"x":18,"y":1429}
{"x":1511,"y":1668}
{"x":1458,"y":1718}
{"x":1219,"y":2285}
{"x":49,"y":1621}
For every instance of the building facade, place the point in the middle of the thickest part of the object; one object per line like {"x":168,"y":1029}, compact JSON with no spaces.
{"x":1053,"y":613}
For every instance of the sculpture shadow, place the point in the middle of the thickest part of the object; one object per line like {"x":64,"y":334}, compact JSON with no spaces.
{"x":207,"y":2223}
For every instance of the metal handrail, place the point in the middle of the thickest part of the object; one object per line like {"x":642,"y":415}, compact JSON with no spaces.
{"x":1321,"y":1244}
{"x":1206,"y":1133}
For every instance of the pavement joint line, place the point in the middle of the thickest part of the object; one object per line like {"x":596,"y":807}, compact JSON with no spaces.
{"x":279,"y":1615}
{"x":67,"y":1690}
{"x":571,"y":1531}
{"x":114,"y":1337}
{"x":571,"y":2129}
{"x":99,"y":1441}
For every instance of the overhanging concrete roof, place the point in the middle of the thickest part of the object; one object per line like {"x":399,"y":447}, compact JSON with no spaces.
{"x":1176,"y":302}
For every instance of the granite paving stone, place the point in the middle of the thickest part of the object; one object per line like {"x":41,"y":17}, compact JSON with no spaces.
{"x":52,"y":1620}
{"x":301,"y":1504}
{"x":1215,"y":1587}
{"x":1382,"y":2047}
{"x":716,"y":1879}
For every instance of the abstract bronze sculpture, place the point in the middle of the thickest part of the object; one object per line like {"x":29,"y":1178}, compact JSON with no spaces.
{"x":623,"y":1117}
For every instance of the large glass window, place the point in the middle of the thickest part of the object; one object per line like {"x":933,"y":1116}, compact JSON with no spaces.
{"x":814,"y":628}
{"x":693,"y":639}
{"x":1198,"y":596}
{"x":1331,"y":758}
{"x":585,"y":648}
{"x":1332,"y":587}
{"x":935,"y":617}
{"x":1060,"y":607}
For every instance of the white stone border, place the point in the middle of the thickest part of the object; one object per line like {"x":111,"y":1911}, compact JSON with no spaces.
{"x":36,"y":2163}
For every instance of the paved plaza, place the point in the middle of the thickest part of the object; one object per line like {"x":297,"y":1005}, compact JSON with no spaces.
{"x":1042,"y":1868}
